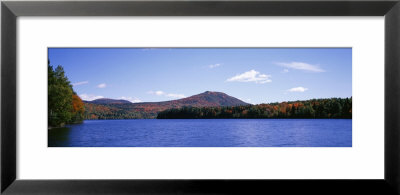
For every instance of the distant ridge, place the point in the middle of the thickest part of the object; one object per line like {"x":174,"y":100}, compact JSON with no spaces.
{"x":207,"y":98}
{"x":109,"y":108}
{"x":108,"y":101}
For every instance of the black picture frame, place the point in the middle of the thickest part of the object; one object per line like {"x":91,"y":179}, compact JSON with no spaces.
{"x":11,"y":10}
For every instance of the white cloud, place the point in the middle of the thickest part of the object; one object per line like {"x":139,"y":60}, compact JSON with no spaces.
{"x":131,"y":99}
{"x":301,"y":66}
{"x":298,"y":89}
{"x":285,"y":70}
{"x":90,"y":97}
{"x":156,"y":92}
{"x":170,"y":95}
{"x":173,"y":95}
{"x":102,"y":85}
{"x":213,"y":66}
{"x":251,"y":76}
{"x":80,"y":83}
{"x":159,"y":93}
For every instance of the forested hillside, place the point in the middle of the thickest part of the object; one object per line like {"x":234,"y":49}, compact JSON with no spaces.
{"x":122,"y":109}
{"x":116,"y":111}
{"x":315,"y":108}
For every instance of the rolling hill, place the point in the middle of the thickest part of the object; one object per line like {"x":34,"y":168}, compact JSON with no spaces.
{"x":108,"y":101}
{"x":121,"y":109}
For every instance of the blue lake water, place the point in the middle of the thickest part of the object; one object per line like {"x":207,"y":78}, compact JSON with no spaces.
{"x":205,"y":133}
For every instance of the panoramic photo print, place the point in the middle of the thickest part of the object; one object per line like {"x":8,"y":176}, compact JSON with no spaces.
{"x":199,"y":97}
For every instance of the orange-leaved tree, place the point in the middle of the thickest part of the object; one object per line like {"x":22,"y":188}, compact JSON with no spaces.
{"x":78,"y":109}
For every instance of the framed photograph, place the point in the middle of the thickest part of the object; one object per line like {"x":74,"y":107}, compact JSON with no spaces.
{"x":211,"y":116}
{"x":199,"y":97}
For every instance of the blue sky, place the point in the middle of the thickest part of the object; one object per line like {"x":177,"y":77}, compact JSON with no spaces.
{"x":254,"y":75}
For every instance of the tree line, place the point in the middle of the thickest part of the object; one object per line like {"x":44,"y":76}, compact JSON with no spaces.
{"x":115,"y":111}
{"x":64,"y":105}
{"x":309,"y":109}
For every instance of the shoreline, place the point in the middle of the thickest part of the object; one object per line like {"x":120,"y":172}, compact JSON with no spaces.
{"x":216,"y":118}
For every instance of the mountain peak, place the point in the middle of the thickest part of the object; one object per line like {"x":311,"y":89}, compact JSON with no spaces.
{"x":211,"y":92}
{"x":212,"y":98}
{"x":109,"y":101}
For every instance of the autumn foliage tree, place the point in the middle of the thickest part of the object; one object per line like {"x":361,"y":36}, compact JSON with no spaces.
{"x":64,"y":106}
{"x":78,"y":109}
